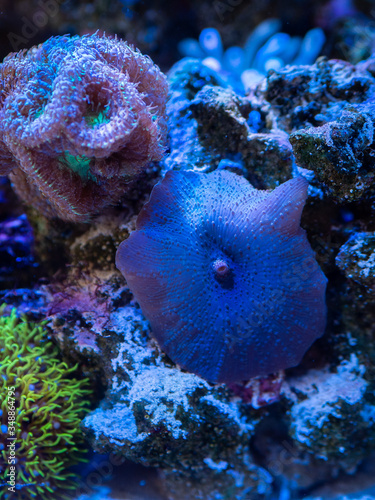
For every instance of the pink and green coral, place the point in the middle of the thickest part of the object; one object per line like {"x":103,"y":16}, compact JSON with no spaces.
{"x":80,"y":119}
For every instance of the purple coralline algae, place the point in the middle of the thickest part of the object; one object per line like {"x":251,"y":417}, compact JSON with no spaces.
{"x":225,"y":274}
{"x":16,"y":256}
{"x":80,"y":118}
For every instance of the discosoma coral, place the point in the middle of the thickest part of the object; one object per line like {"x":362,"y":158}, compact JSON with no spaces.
{"x":225,"y":274}
{"x":80,"y":118}
{"x":41,"y":407}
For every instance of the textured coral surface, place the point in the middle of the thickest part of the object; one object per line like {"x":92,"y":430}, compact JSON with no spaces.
{"x":80,"y":117}
{"x":225,"y":274}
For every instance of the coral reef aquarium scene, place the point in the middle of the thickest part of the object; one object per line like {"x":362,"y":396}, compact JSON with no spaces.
{"x":187,"y":250}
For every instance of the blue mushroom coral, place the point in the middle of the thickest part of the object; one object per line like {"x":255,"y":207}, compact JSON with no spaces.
{"x":225,"y":274}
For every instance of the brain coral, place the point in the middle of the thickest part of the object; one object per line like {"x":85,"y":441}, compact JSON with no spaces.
{"x":225,"y":274}
{"x":80,"y":117}
{"x":46,"y":405}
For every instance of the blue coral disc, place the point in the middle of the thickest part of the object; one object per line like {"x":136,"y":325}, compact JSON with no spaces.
{"x":225,"y":274}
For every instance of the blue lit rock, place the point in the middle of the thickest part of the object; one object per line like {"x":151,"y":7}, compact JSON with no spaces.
{"x":210,"y":123}
{"x":357,"y":259}
{"x":329,"y":416}
{"x":155,"y":414}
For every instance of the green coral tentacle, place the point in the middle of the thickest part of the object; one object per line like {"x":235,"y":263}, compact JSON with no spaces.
{"x":50,"y":405}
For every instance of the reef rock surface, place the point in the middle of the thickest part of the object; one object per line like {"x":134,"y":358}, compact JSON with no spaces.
{"x":314,"y":423}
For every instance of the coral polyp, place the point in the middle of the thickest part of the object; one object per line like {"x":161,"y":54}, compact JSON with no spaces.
{"x":42,"y":405}
{"x":80,"y":118}
{"x":265,"y":48}
{"x":225,"y":274}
